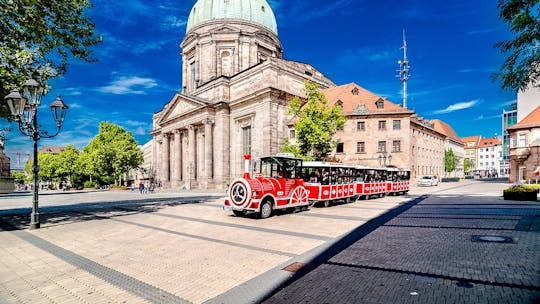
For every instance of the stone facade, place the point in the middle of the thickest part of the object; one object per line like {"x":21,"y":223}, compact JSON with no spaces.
{"x":7,"y":184}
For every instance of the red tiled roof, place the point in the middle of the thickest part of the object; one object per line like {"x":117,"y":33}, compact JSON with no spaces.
{"x":530,"y":121}
{"x":361,"y":101}
{"x":442,"y":127}
{"x":489,"y":142}
{"x":474,"y":139}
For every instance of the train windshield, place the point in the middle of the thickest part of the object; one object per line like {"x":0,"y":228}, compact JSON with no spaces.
{"x":281,"y":167}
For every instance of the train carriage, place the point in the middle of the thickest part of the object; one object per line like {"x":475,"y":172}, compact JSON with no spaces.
{"x":329,"y":182}
{"x":370,"y":182}
{"x":398,"y":181}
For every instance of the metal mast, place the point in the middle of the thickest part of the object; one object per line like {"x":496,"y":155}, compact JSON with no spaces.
{"x":404,"y":70}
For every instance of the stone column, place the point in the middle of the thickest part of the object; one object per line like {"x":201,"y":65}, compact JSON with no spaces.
{"x":166,"y":159}
{"x":177,"y":155}
{"x":192,"y":145}
{"x":208,"y":149}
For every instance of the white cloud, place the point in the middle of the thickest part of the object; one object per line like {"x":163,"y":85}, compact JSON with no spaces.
{"x":457,"y":107}
{"x":482,"y":117}
{"x":129,"y":85}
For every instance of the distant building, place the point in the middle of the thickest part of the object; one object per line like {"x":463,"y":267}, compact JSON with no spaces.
{"x":146,"y":173}
{"x":525,"y":148}
{"x":509,"y":118}
{"x":489,"y":157}
{"x":471,"y":144}
{"x":380,"y":133}
{"x":52,"y":150}
{"x":454,"y":143}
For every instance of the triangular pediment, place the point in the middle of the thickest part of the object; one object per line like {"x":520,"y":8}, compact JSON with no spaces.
{"x":180,"y":105}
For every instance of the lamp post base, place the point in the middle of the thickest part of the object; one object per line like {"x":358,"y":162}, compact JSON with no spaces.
{"x":34,"y":221}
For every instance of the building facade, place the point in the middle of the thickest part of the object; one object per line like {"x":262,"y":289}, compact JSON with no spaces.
{"x":470,"y":144}
{"x":489,"y":157}
{"x":509,"y":118}
{"x":525,"y":149}
{"x":380,"y":133}
{"x":454,"y":143}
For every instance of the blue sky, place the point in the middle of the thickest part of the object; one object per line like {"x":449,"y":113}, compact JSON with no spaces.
{"x":450,"y":47}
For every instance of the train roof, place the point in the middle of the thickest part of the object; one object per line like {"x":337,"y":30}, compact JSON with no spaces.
{"x":320,"y":164}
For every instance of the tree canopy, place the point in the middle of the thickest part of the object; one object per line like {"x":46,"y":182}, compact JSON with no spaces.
{"x":521,"y":69}
{"x":38,"y":37}
{"x":111,"y":153}
{"x":316,"y":123}
{"x":450,"y":161}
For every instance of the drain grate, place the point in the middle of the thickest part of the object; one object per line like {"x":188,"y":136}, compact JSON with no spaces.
{"x":294,"y":267}
{"x":492,"y":239}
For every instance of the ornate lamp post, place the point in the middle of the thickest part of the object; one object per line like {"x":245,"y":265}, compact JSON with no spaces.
{"x":24,"y":110}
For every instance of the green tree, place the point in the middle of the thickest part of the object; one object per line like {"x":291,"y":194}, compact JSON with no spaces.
{"x":467,"y":165}
{"x":450,"y":161}
{"x":38,"y":37}
{"x":20,"y":178}
{"x":316,"y":123}
{"x":111,"y":153}
{"x":47,"y":167}
{"x":521,"y":68}
{"x":67,"y":164}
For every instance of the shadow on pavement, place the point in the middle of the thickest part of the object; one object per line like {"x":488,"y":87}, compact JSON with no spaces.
{"x":19,"y":219}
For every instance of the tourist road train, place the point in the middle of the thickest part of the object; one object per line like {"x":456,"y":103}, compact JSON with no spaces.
{"x":283,"y":181}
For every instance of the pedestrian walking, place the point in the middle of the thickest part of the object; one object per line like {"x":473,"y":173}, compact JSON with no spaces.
{"x":141,"y":188}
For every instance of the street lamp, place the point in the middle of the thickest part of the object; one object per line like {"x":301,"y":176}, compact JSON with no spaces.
{"x":24,"y":108}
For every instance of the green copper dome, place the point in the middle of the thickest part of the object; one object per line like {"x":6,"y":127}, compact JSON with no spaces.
{"x":257,"y":11}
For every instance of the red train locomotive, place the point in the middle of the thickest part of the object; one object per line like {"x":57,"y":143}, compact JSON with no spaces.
{"x":283,"y":181}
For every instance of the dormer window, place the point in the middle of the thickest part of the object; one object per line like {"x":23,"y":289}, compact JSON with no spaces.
{"x":380,"y":104}
{"x":355,"y":91}
{"x":262,"y":9}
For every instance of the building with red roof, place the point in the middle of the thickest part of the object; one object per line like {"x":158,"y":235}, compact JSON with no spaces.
{"x":489,"y":156}
{"x":525,"y":148}
{"x":381,"y":133}
{"x":454,"y":143}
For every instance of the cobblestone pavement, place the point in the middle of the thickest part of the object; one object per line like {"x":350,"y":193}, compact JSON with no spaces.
{"x":460,"y":245}
{"x":107,"y":247}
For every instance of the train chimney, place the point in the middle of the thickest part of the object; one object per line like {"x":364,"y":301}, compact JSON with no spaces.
{"x":247,"y":157}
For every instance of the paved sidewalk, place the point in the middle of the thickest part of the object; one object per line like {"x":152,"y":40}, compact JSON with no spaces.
{"x":107,"y":247}
{"x":460,"y":245}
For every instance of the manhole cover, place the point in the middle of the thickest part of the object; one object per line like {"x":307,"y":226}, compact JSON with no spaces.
{"x":492,"y":239}
{"x":294,"y":267}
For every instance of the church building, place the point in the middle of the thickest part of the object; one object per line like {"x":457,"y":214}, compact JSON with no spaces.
{"x":236,"y":87}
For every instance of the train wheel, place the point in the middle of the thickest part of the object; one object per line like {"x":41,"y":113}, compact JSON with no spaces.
{"x":266,"y":209}
{"x":299,"y":196}
{"x":238,"y":213}
{"x":326,"y":204}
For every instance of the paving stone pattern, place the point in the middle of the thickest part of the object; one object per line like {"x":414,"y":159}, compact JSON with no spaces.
{"x":426,"y":255}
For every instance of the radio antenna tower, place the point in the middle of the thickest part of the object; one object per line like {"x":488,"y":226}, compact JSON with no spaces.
{"x":404,"y":70}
